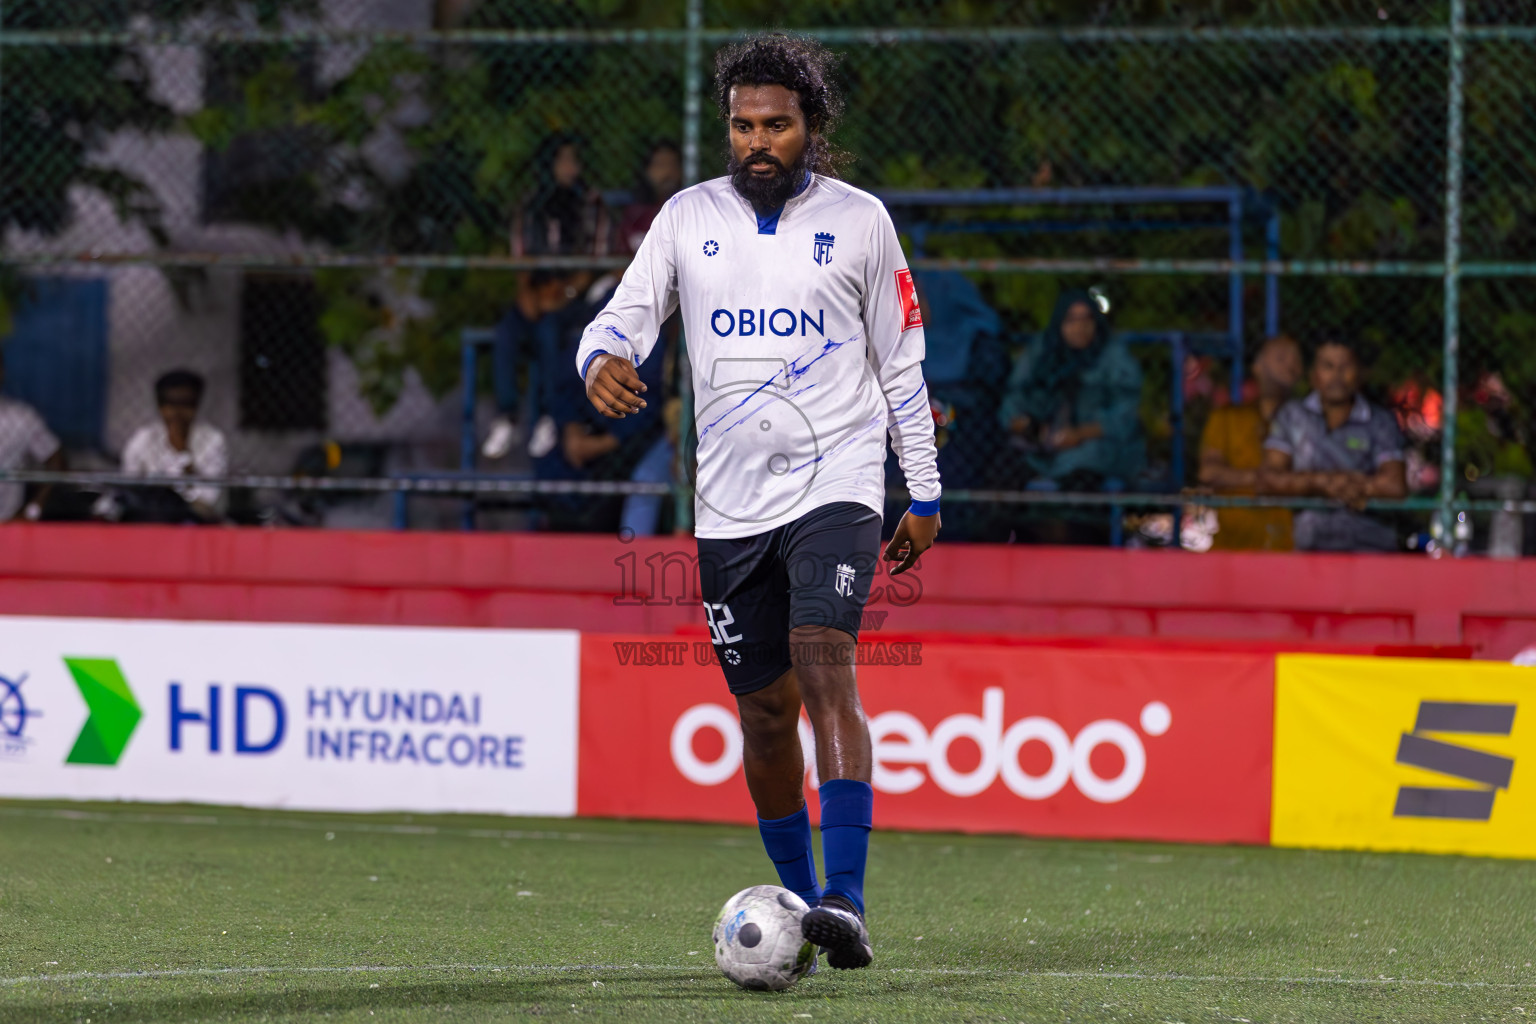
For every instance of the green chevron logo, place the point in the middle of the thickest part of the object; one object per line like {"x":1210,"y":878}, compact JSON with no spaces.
{"x":114,"y":714}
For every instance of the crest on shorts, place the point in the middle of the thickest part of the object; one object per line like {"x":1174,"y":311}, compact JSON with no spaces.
{"x":844,"y":581}
{"x":823,"y":251}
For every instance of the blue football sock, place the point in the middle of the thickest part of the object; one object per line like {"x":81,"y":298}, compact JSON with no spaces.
{"x":788,"y":842}
{"x":847,"y":812}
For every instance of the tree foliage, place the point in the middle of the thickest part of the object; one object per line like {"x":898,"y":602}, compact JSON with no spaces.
{"x":412,"y":148}
{"x":61,"y":104}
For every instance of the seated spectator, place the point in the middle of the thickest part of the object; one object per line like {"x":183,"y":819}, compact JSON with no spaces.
{"x":573,"y":442}
{"x":1420,"y":411}
{"x":25,"y":443}
{"x":561,"y":217}
{"x":1232,"y":451}
{"x":528,"y":328}
{"x":179,"y":445}
{"x":965,"y":366}
{"x":1335,"y":444}
{"x":569,"y":441}
{"x":1072,"y":408}
{"x":659,"y":180}
{"x":642,"y":513}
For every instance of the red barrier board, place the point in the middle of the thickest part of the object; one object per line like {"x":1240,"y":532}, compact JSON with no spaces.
{"x":1294,"y":601}
{"x":1041,"y":741}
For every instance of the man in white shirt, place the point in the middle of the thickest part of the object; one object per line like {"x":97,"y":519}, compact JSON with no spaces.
{"x":25,"y":442}
{"x":807,"y":344}
{"x":179,"y":445}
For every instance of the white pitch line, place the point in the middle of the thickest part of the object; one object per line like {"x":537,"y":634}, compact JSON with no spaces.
{"x":1241,"y":979}
{"x":206,"y":821}
{"x":1246,"y":979}
{"x":209,"y":972}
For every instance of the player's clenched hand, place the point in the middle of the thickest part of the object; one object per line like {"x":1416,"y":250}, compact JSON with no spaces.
{"x":613,"y":386}
{"x":914,"y":535}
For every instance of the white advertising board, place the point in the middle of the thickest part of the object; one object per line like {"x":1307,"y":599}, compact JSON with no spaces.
{"x":298,"y":716}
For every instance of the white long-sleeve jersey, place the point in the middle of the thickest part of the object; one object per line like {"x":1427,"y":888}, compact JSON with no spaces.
{"x":806,"y":343}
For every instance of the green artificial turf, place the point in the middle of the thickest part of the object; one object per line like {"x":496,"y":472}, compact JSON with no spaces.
{"x":137,"y":913}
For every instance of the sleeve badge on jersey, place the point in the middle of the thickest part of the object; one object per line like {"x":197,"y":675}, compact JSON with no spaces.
{"x":906,"y":290}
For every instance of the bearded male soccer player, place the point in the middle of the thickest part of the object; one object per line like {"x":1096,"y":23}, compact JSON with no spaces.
{"x":807,"y":345}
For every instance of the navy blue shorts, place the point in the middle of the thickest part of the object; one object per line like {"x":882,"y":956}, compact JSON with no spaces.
{"x":815,"y":571}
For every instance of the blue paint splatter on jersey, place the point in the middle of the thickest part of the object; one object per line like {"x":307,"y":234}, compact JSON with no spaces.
{"x":768,"y":400}
{"x":919,"y":391}
{"x":915,"y":414}
{"x":794,"y":371}
{"x":852,"y":436}
{"x":615,"y":333}
{"x":791,"y":373}
{"x":858,"y":432}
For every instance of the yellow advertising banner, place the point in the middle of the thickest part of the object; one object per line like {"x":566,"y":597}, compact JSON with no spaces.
{"x":1405,"y":754}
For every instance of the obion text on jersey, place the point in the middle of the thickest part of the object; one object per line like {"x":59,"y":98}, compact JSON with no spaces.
{"x":747,"y":323}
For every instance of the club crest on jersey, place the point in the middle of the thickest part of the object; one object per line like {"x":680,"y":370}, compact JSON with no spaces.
{"x":823,"y":250}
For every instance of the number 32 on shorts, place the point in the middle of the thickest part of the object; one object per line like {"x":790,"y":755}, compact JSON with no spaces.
{"x":719,"y":630}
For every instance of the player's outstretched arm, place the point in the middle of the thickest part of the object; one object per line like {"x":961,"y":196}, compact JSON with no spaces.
{"x":622,"y":335}
{"x":614,"y":387}
{"x":893,"y":327}
{"x":914,"y":535}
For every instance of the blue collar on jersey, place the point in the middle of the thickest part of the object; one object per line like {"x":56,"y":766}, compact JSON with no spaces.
{"x":768,"y":223}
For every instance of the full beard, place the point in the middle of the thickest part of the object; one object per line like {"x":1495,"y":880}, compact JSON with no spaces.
{"x":767,"y":193}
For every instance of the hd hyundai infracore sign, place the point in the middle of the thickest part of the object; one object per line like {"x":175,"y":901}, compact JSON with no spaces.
{"x":322,"y":717}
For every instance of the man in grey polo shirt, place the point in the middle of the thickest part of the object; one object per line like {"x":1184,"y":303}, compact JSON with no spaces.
{"x":1335,"y":444}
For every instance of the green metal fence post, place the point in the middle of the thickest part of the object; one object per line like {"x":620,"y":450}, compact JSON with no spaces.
{"x":693,"y":86}
{"x":1453,"y":154}
{"x":2,"y":67}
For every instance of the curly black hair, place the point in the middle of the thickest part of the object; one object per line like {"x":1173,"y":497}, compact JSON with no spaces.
{"x":1333,"y":335}
{"x":800,"y":65}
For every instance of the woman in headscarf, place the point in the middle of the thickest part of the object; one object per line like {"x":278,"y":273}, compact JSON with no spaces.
{"x":1073,"y":400}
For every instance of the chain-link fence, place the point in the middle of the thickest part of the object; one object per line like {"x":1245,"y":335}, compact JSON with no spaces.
{"x":369,"y":225}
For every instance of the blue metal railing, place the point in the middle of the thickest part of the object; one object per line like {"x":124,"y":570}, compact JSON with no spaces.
{"x":1240,"y":205}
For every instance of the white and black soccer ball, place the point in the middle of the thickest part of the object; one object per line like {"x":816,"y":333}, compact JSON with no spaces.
{"x":757,"y":939}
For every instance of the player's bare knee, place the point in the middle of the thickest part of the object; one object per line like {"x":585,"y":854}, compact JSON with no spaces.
{"x":815,"y":648}
{"x":831,"y":695}
{"x":764,"y":732}
{"x":772,"y":711}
